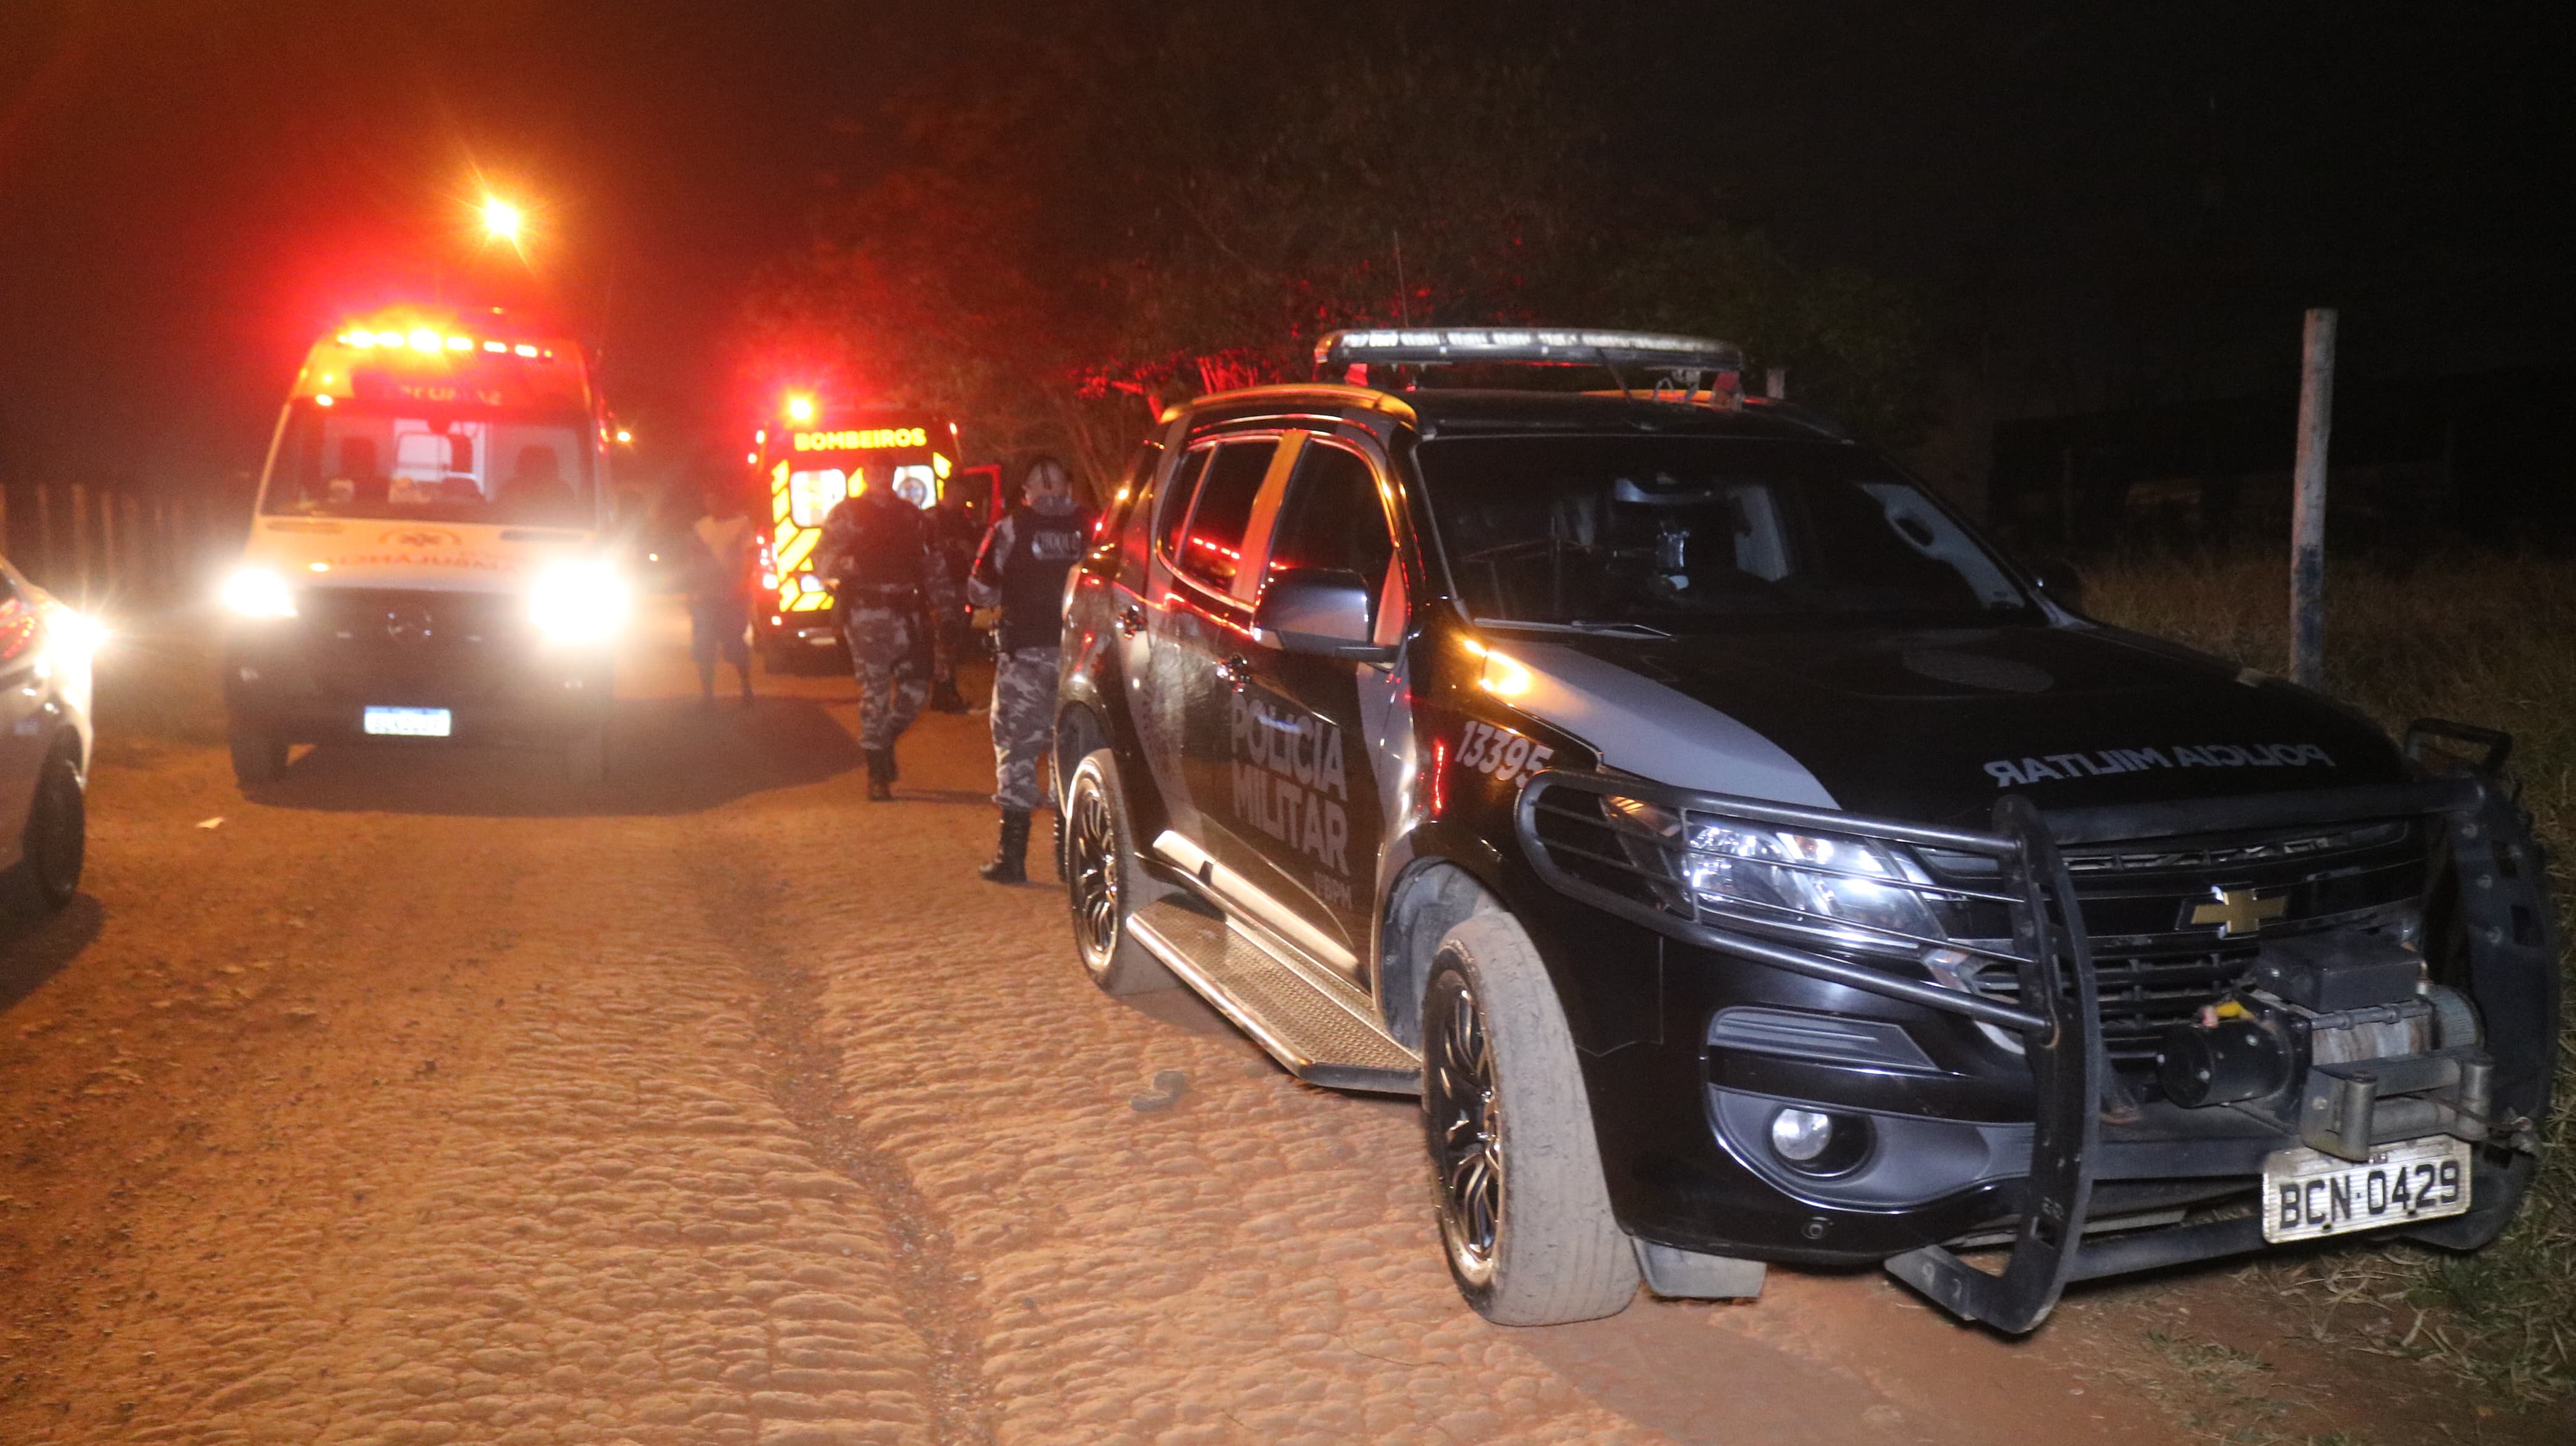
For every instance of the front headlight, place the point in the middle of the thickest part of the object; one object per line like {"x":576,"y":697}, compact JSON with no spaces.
{"x":73,"y":637}
{"x":1852,"y":889}
{"x":579,"y":602}
{"x":256,"y":592}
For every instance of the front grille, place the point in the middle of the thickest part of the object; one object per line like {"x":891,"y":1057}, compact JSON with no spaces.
{"x":2142,"y":995}
{"x":2195,"y":856}
{"x":385,"y":645}
{"x":2156,"y":969}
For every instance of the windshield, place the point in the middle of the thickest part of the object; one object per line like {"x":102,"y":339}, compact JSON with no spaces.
{"x":413,"y":464}
{"x":1700,"y":534}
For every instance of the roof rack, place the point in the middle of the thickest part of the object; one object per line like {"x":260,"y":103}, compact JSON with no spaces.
{"x":1529,"y":345}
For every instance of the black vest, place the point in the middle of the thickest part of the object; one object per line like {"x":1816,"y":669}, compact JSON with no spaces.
{"x":888,"y":542}
{"x":1044,"y":547}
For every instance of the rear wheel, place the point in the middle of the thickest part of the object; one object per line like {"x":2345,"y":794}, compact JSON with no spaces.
{"x":259,"y":756}
{"x":1105,"y":882}
{"x":586,"y":756}
{"x":1525,"y":1219}
{"x":55,"y":844}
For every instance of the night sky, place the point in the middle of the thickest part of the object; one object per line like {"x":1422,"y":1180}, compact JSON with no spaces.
{"x":2099,"y":204}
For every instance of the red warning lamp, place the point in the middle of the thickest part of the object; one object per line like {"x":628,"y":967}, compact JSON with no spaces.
{"x":800,"y":407}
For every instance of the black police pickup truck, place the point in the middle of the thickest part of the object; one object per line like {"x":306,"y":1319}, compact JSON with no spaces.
{"x":1745,"y":862}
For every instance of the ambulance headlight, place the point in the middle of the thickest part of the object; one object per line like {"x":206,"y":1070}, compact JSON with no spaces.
{"x":256,"y":592}
{"x":579,"y":602}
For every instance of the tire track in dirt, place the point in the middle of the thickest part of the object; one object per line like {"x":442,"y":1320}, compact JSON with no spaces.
{"x":803,"y":1077}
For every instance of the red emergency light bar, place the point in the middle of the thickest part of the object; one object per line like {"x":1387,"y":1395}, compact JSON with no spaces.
{"x":424,"y":340}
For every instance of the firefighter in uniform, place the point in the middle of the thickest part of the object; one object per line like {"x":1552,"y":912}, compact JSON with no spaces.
{"x":1020,"y":570}
{"x":876,"y":552}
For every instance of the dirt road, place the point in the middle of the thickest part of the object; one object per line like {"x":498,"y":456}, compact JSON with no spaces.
{"x":423,"y":1099}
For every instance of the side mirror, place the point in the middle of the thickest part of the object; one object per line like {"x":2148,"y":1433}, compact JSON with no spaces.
{"x":1318,"y":612}
{"x":2058,"y":578}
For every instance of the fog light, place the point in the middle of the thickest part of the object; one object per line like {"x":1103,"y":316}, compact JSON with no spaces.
{"x":1801,"y":1136}
{"x":1812,"y":1142}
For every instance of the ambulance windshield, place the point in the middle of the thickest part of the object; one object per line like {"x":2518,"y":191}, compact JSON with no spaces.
{"x":408,"y":463}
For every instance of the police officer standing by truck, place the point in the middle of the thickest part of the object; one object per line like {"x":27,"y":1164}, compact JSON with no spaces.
{"x":1020,"y":570}
{"x":876,"y":551}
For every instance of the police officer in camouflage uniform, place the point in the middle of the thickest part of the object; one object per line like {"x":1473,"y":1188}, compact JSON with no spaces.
{"x":954,"y":534}
{"x":1021,"y":570}
{"x":876,"y":552}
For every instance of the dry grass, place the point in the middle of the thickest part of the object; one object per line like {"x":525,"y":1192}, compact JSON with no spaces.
{"x":2482,"y":639}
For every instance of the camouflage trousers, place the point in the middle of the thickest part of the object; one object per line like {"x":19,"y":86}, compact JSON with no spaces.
{"x":1023,"y":721}
{"x":890,"y":653}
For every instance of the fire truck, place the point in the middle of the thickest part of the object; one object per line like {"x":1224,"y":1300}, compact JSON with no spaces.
{"x":427,"y":561}
{"x":808,"y":463}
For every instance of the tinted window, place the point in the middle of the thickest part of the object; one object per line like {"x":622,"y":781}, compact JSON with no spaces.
{"x":1176,"y":501}
{"x":1694,"y":534}
{"x":1331,"y":518}
{"x":1213,"y":547}
{"x":1130,"y":507}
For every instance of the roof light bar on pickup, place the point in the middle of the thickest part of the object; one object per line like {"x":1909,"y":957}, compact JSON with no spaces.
{"x":1518,"y":344}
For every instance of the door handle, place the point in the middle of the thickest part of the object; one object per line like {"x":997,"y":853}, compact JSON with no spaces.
{"x":1235,"y":673}
{"x":1131,"y":621}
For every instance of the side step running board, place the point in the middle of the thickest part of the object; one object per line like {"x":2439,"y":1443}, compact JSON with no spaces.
{"x":1317,"y":1028}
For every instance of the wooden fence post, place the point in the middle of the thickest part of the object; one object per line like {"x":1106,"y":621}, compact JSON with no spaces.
{"x":2308,"y":505}
{"x":45,"y":532}
{"x":80,"y":542}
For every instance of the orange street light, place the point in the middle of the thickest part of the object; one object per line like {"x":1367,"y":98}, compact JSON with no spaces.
{"x":501,"y":220}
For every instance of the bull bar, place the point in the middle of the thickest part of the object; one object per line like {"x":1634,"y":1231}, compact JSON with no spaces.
{"x":1623,"y":863}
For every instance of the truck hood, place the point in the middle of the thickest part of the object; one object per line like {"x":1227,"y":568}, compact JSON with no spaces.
{"x":1933,"y":726}
{"x":427,"y":556}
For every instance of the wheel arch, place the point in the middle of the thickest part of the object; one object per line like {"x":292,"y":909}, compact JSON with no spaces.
{"x":1431,"y":897}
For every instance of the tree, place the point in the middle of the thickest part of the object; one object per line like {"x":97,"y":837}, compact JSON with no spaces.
{"x":1135,"y":205}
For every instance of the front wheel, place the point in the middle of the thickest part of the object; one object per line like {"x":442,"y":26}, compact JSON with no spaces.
{"x":259,"y":756}
{"x":55,"y":844}
{"x":1105,"y":882}
{"x":1525,"y":1218}
{"x":586,"y":756}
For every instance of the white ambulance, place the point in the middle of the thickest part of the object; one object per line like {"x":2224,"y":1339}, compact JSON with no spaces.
{"x":430,"y":556}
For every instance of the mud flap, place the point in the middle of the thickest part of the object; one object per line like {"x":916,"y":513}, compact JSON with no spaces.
{"x":2068,"y":1070}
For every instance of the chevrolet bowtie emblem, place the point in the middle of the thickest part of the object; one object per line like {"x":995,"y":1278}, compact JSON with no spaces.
{"x":2238,"y":911}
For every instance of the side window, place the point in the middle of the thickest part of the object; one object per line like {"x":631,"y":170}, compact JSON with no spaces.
{"x":1332,"y":518}
{"x":1212,"y":549}
{"x":1177,"y":496}
{"x":1131,"y":507}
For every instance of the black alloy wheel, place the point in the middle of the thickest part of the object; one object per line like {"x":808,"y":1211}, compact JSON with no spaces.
{"x":1092,"y":851}
{"x":1462,"y":1111}
{"x":1104,"y":882}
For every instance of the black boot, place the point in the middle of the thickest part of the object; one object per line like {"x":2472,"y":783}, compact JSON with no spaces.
{"x":944,"y":697}
{"x":1010,"y":863}
{"x":880,"y":774}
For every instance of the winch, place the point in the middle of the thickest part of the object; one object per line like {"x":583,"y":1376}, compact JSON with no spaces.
{"x":2340,"y":1036}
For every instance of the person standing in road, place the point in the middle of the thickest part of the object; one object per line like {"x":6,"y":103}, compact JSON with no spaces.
{"x":1020,"y":570}
{"x":953,"y":537}
{"x":721,"y":543}
{"x":876,"y":553}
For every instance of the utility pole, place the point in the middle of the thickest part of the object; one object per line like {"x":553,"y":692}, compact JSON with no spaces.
{"x":2308,"y":505}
